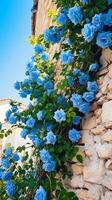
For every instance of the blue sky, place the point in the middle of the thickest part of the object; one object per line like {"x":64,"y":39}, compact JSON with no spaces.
{"x":15,"y":27}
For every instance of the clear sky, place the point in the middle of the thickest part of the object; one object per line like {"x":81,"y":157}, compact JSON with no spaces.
{"x":15,"y":27}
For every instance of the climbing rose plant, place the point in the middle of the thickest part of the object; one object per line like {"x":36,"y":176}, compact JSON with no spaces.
{"x":50,"y":124}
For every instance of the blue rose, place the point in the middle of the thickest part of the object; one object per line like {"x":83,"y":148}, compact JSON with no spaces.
{"x":83,"y":78}
{"x":93,"y":67}
{"x":12,"y":119}
{"x":40,"y":115}
{"x":84,"y":107}
{"x":92,"y":86}
{"x":74,"y":135}
{"x":63,"y":18}
{"x":75,"y":15}
{"x":10,"y":188}
{"x":76,"y":120}
{"x":6,"y":176}
{"x":30,"y":122}
{"x":49,"y":166}
{"x":44,"y":56}
{"x":89,"y":96}
{"x":109,"y":2}
{"x":17,"y":85}
{"x":23,"y":94}
{"x":84,"y":1}
{"x":45,"y":156}
{"x":8,"y":152}
{"x":39,"y":48}
{"x":76,"y":72}
{"x":50,"y":138}
{"x":66,"y":57}
{"x":52,"y":35}
{"x":97,"y":22}
{"x":104,"y":39}
{"x":60,"y":115}
{"x":5,"y":163}
{"x":24,"y":133}
{"x":77,"y":100}
{"x":40,"y":194}
{"x":88,"y":32}
{"x":8,"y":113}
{"x":15,"y":157}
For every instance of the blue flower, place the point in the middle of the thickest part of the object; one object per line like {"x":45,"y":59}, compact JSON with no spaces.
{"x":74,"y":135}
{"x":83,"y":78}
{"x":17,"y":85}
{"x":89,"y":96}
{"x":77,"y":100}
{"x":92,"y":86}
{"x":6,"y":176}
{"x":40,"y":194}
{"x":50,"y":138}
{"x":30,"y":122}
{"x":5,"y":163}
{"x":97,"y":22}
{"x":37,"y":141}
{"x":48,"y":85}
{"x":66,"y":57}
{"x":109,"y":2}
{"x":39,"y":48}
{"x":84,"y":1}
{"x":40,"y":115}
{"x":76,"y":120}
{"x":84,"y":107}
{"x":15,"y":157}
{"x":22,"y":94}
{"x":14,"y":108}
{"x":24,"y":133}
{"x":12,"y":119}
{"x":104,"y":39}
{"x":76,"y":72}
{"x":44,"y":56}
{"x":75,"y":15}
{"x":48,"y":127}
{"x":10,"y":188}
{"x":70,"y":80}
{"x":1,"y":173}
{"x":52,"y":35}
{"x":34,"y":75}
{"x":8,"y":113}
{"x":93,"y":67}
{"x":45,"y":156}
{"x":61,"y":100}
{"x":62,"y":18}
{"x":8,"y":152}
{"x":107,"y":18}
{"x":88,"y":32}
{"x":0,"y":125}
{"x":49,"y":166}
{"x":60,"y":115}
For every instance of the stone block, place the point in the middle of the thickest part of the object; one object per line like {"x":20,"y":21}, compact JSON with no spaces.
{"x":107,"y":111}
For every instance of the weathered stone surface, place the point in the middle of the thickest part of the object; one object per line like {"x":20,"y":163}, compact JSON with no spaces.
{"x":89,"y":122}
{"x":77,"y":181}
{"x":107,"y":111}
{"x":77,"y":169}
{"x":94,"y":172}
{"x":110,"y":86}
{"x":109,"y":96}
{"x":104,"y":150}
{"x":110,"y":71}
{"x":98,"y":130}
{"x":107,"y":136}
{"x":84,"y":195}
{"x":107,"y":181}
{"x":107,"y":196}
{"x":108,"y":165}
{"x":103,"y":71}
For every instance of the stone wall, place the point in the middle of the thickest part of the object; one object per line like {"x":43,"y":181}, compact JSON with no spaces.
{"x":93,"y":179}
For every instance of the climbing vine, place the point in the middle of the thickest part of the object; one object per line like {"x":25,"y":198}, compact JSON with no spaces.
{"x":50,"y":124}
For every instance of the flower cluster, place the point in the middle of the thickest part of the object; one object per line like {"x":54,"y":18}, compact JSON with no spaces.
{"x":52,"y":118}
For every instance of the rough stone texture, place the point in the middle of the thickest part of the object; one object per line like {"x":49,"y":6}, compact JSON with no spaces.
{"x":93,"y":179}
